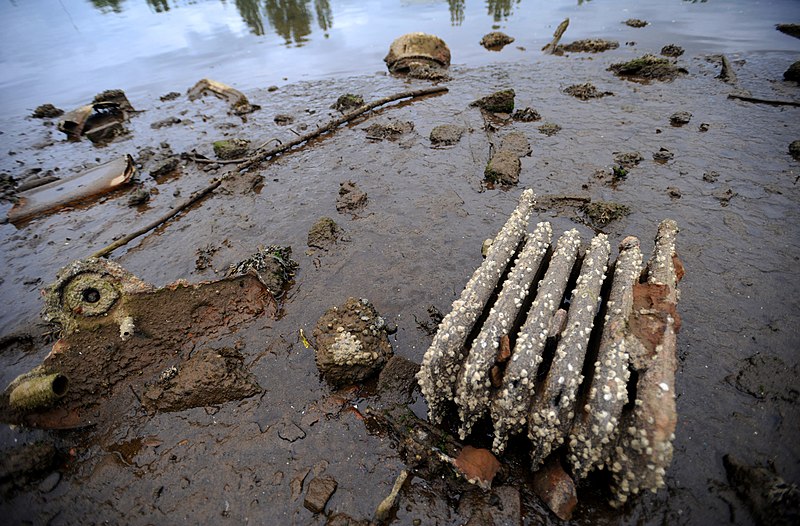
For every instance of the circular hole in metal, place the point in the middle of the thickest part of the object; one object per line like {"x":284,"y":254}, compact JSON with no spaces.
{"x":60,"y":384}
{"x":91,"y":295}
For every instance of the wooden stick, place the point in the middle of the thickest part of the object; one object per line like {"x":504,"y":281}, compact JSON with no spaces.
{"x":771,"y":102}
{"x":260,"y":156}
{"x":727,"y":73}
{"x":550,"y":48}
{"x":335,"y":123}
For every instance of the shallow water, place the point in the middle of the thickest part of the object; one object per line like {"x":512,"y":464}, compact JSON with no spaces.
{"x":65,"y":52}
{"x":415,"y":245}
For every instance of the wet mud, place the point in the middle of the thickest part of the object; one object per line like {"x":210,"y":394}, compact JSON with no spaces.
{"x":414,"y":246}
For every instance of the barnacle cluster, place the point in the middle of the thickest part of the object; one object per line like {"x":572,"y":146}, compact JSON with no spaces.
{"x":554,"y":320}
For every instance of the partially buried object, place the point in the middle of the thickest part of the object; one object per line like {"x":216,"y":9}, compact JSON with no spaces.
{"x":417,"y":49}
{"x":69,"y":191}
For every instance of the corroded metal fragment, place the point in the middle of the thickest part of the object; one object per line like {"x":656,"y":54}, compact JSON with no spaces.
{"x":644,"y":448}
{"x":443,"y":359}
{"x":553,"y":407}
{"x":510,"y":405}
{"x":595,"y":429}
{"x":474,"y":383}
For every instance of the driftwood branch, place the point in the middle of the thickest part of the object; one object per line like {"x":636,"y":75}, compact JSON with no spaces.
{"x":771,"y":102}
{"x":261,"y":155}
{"x":550,"y":48}
{"x":727,"y":73}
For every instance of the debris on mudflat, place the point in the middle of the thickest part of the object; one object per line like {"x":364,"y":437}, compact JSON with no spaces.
{"x":273,"y":265}
{"x":526,"y":114}
{"x":390,"y":131}
{"x":794,"y":150}
{"x":384,"y":509}
{"x":679,"y":118}
{"x":138,"y":197}
{"x":585,"y":91}
{"x":552,"y":47}
{"x":231,"y":148}
{"x":635,"y":22}
{"x":601,"y":213}
{"x":119,"y":333}
{"x":351,"y":342}
{"x":319,"y":492}
{"x":419,"y":55}
{"x":618,"y":421}
{"x":517,"y":143}
{"x":498,"y":102}
{"x":504,"y":168}
{"x":351,"y":198}
{"x":770,"y":498}
{"x":100,"y":121}
{"x":208,"y":377}
{"x":663,"y":155}
{"x":172,"y":95}
{"x":627,"y":159}
{"x":589,"y":45}
{"x":88,"y":184}
{"x":789,"y":29}
{"x":347,"y":102}
{"x":647,"y":67}
{"x":496,"y":40}
{"x":239,"y":103}
{"x":47,"y":111}
{"x":549,"y":129}
{"x":446,"y":134}
{"x":324,"y":233}
{"x":672,"y":50}
{"x":793,"y":73}
{"x":283,"y":119}
{"x":556,"y":489}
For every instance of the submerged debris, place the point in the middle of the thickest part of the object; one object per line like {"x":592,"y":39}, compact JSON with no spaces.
{"x":635,"y":22}
{"x":601,"y":213}
{"x":526,"y":114}
{"x":347,"y":102}
{"x":679,"y":118}
{"x":414,"y":50}
{"x":590,"y":45}
{"x":549,"y":129}
{"x":47,"y":111}
{"x":100,"y":121}
{"x":352,"y":344}
{"x":647,"y":67}
{"x":663,"y":155}
{"x":496,"y":40}
{"x":498,"y":102}
{"x":585,"y":91}
{"x":627,"y":159}
{"x":240,"y":105}
{"x":672,"y":50}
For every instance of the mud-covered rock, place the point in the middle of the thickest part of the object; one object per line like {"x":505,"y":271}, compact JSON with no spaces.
{"x":549,"y":129}
{"x":273,"y":265}
{"x":789,"y":29}
{"x":24,"y":465}
{"x":589,"y":45}
{"x":47,"y":111}
{"x":347,"y":102}
{"x":601,"y":213}
{"x":351,"y":198}
{"x":172,"y":95}
{"x":517,"y":143}
{"x":390,"y":131}
{"x":503,"y":168}
{"x":283,"y":119}
{"x":138,"y":197}
{"x":446,"y":134}
{"x":498,"y":102}
{"x":496,"y":40}
{"x":319,"y":492}
{"x":679,"y":118}
{"x":627,"y":159}
{"x":647,"y":67}
{"x":526,"y":114}
{"x":351,"y":342}
{"x":164,"y":166}
{"x":397,"y":381}
{"x":417,"y":48}
{"x":585,"y":91}
{"x":672,"y":50}
{"x":324,"y":233}
{"x":794,"y":150}
{"x":663,"y":155}
{"x":209,"y":377}
{"x":793,"y":73}
{"x":635,"y":22}
{"x":231,"y":148}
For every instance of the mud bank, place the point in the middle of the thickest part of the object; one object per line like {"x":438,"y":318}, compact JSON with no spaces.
{"x":412,"y":246}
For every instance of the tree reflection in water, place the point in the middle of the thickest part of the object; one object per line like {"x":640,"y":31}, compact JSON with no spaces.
{"x":500,"y":9}
{"x":291,"y":19}
{"x":456,"y":12}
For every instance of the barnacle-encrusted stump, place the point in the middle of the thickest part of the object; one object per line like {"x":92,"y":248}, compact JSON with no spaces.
{"x":554,"y":318}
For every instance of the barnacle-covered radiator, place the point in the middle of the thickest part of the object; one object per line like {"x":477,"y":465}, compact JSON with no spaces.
{"x":559,"y":344}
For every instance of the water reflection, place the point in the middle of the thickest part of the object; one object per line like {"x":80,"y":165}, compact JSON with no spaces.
{"x":106,"y":6}
{"x":456,"y":12}
{"x":500,"y":9}
{"x":159,"y":6}
{"x":248,"y":10}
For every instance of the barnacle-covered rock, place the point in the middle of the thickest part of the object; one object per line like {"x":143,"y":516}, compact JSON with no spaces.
{"x":442,"y":361}
{"x":475,"y":381}
{"x":595,"y":430}
{"x":553,"y":407}
{"x":352,"y":344}
{"x":511,"y":403}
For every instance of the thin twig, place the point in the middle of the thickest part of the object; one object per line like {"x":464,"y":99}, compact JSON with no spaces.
{"x":757,"y":100}
{"x":259,"y":156}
